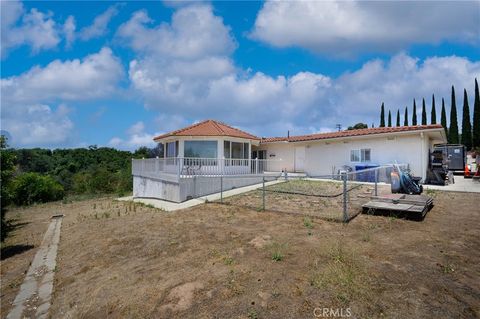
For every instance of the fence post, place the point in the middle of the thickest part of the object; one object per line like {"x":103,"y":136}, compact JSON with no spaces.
{"x":256,"y":165}
{"x":221,"y":188}
{"x":345,"y":211}
{"x":376,"y":181}
{"x":263,"y":192}
{"x":194,"y":186}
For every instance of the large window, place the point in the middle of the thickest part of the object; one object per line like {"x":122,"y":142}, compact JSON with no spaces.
{"x":236,"y":153}
{"x":200,"y":149}
{"x":235,"y":150}
{"x":172,"y":149}
{"x":361,"y":155}
{"x":226,"y":149}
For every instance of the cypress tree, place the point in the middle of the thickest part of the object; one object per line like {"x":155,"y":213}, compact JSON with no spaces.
{"x":443,"y":118}
{"x":476,"y":118}
{"x":433,"y":116}
{"x":382,"y":116}
{"x":453,"y":129}
{"x":405,"y":117}
{"x":424,"y":113}
{"x":398,"y":117}
{"x":389,"y":119}
{"x":466,"y":125}
{"x":414,"y":115}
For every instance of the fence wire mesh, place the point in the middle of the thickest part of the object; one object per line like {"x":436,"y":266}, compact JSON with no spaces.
{"x":337,"y":197}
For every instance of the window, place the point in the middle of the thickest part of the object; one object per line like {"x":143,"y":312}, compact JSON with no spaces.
{"x":172,"y":149}
{"x":361,"y":155}
{"x":226,"y":149}
{"x":236,"y":151}
{"x":355,"y":156}
{"x":200,"y":149}
{"x":365,"y":155}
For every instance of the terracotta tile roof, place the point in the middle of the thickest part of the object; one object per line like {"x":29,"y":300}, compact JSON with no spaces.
{"x":209,"y":128}
{"x":350,"y":133}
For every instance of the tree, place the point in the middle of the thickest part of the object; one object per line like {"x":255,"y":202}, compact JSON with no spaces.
{"x":357,"y":126}
{"x":382,"y":116}
{"x":7,"y":162}
{"x":433,"y":115}
{"x":466,"y":125}
{"x":414,"y":115}
{"x":389,"y":119}
{"x":476,"y":118}
{"x":453,"y":129}
{"x":443,"y":118}
{"x":424,"y":113}
{"x":30,"y":188}
{"x":398,"y":117}
{"x":405,"y":117}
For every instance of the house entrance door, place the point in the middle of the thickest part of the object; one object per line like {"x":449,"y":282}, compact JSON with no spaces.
{"x":299,"y":158}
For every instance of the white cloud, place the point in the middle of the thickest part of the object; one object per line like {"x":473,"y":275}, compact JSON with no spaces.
{"x":99,"y":26}
{"x":69,"y":31}
{"x":208,"y":85}
{"x":136,"y":137}
{"x":195,"y":32}
{"x":343,"y":27}
{"x":36,"y":29}
{"x":27,"y":99}
{"x":37,"y":124}
{"x":94,"y":76}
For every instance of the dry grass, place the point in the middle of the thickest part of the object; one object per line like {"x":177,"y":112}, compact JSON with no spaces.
{"x":318,"y":199}
{"x":125,"y":260}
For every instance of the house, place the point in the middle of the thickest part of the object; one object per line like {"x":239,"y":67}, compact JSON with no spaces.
{"x":201,"y":158}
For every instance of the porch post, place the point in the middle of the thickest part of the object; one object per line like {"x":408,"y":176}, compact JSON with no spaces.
{"x":221,"y":157}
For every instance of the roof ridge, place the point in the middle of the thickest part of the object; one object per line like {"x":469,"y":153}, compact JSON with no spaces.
{"x":215,"y":123}
{"x":218,"y":127}
{"x":356,"y":132}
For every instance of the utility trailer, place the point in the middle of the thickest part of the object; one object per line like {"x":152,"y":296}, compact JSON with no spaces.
{"x":455,"y":156}
{"x":444,"y":160}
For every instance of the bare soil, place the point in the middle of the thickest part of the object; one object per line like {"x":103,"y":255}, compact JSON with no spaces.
{"x":318,"y":199}
{"x":118,"y":259}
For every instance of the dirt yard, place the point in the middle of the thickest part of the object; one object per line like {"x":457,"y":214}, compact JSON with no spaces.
{"x":316,"y":199}
{"x":118,"y":259}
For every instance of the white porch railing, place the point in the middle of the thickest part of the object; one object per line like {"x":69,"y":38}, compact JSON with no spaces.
{"x":184,"y":167}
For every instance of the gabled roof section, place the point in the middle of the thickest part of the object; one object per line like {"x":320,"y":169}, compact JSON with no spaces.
{"x":209,"y":128}
{"x":351,"y":133}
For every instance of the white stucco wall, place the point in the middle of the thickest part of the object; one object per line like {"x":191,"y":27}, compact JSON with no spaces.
{"x":323,"y":157}
{"x":280,"y":156}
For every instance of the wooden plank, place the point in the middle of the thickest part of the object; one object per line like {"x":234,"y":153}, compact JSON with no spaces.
{"x":387,"y":206}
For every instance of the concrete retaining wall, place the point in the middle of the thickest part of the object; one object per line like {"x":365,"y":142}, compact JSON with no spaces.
{"x":189,"y":188}
{"x":156,"y":188}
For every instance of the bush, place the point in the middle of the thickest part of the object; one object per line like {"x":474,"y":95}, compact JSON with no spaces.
{"x":32,"y":188}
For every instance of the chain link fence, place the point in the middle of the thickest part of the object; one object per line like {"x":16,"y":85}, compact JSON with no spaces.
{"x":336,"y":197}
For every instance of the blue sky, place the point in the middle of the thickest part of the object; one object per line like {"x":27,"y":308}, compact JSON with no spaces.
{"x":117,"y":73}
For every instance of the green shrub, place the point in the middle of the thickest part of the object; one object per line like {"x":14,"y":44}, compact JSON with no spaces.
{"x":32,"y":188}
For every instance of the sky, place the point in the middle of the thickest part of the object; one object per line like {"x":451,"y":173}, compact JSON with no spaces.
{"x":116,"y":74}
